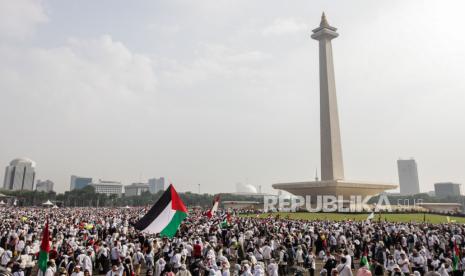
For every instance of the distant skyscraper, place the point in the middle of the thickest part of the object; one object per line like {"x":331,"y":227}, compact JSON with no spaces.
{"x":44,"y":186}
{"x":445,"y":189}
{"x":79,"y":182}
{"x":20,"y":175}
{"x":408,"y":177}
{"x":156,"y":185}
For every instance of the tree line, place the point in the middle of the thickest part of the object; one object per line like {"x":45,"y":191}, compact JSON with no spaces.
{"x":87,"y":197}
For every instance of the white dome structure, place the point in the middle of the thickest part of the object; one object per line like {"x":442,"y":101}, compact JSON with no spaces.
{"x":246,"y":188}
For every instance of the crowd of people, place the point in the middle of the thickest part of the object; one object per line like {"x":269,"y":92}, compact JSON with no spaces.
{"x":102,"y":241}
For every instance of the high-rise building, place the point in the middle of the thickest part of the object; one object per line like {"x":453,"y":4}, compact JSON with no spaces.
{"x":108,"y":187}
{"x":156,"y":185}
{"x":408,"y":177}
{"x":136,"y":189}
{"x":79,"y":182}
{"x":20,"y":175}
{"x":445,"y":189}
{"x":44,"y":186}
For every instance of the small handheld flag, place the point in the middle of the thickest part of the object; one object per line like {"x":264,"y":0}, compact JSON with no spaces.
{"x":44,"y":249}
{"x":455,"y":257}
{"x":214,"y":208}
{"x":364,"y":259}
{"x":165,"y":216}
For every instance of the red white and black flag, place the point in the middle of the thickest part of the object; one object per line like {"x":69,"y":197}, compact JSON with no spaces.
{"x":165,"y":216}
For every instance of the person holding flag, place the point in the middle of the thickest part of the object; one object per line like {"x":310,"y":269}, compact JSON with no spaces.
{"x":456,"y":260}
{"x":214,"y":209}
{"x":364,"y":260}
{"x":43,"y":262}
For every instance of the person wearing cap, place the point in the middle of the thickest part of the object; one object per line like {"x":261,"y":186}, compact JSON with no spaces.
{"x":77,"y":271}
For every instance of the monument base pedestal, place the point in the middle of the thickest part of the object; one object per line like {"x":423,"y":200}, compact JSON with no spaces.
{"x":344,"y":188}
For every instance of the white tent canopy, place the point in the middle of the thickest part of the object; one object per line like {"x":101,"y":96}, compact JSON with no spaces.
{"x":47,"y":203}
{"x":2,"y":203}
{"x":55,"y":207}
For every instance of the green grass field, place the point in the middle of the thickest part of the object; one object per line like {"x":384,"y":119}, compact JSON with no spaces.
{"x":431,"y":218}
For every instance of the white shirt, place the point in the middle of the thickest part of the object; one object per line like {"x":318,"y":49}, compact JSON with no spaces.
{"x":176,"y":260}
{"x":87,"y":264}
{"x":344,"y":270}
{"x":273,"y":269}
{"x":403,"y":263}
{"x":6,"y":257}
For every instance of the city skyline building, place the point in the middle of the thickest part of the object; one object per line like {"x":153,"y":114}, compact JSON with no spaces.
{"x":408,"y":176}
{"x":156,"y":185}
{"x":136,"y":189}
{"x":44,"y":186}
{"x":20,"y":175}
{"x":446,"y":189}
{"x":79,"y":182}
{"x":108,"y":187}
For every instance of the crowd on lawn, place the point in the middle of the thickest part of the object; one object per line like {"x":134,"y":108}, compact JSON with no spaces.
{"x":102,"y":241}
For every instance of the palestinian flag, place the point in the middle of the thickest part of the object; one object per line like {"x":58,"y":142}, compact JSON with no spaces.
{"x":364,"y":260}
{"x":214,"y":208}
{"x":226,"y":220}
{"x":455,"y":257}
{"x":44,"y":250}
{"x":165,"y":216}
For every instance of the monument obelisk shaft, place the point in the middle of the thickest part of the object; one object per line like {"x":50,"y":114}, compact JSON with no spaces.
{"x":331,"y":151}
{"x":332,"y":171}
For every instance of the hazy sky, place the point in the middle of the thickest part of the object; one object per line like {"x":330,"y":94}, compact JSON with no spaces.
{"x":218,"y":92}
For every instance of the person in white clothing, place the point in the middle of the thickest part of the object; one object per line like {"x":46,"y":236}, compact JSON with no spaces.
{"x":77,"y":271}
{"x":51,"y":268}
{"x":404,"y":263}
{"x":273,"y":268}
{"x":343,"y":268}
{"x":116,"y":271}
{"x":87,"y":262}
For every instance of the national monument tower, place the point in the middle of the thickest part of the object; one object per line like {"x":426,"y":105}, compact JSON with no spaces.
{"x":332,"y":168}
